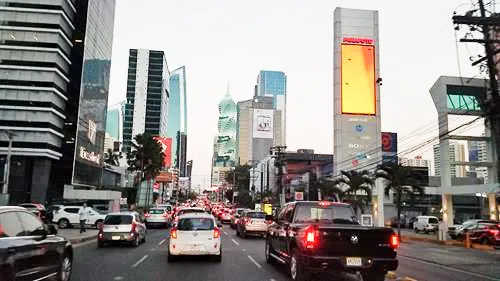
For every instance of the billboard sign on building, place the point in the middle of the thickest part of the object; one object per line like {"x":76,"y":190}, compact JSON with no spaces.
{"x":263,"y":123}
{"x":166,"y":148}
{"x":358,"y":79}
{"x":389,"y":147}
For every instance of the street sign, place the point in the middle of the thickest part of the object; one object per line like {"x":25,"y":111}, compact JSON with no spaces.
{"x":299,"y":196}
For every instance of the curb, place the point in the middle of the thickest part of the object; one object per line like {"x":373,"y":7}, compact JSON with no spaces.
{"x":486,"y":248}
{"x":75,"y":241}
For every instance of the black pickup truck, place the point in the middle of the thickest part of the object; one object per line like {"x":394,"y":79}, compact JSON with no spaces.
{"x":319,"y":237}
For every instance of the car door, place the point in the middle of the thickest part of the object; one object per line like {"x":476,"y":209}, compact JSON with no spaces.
{"x":44,"y":252}
{"x":278,"y":231}
{"x":71,"y":213}
{"x":284,"y":234}
{"x":19,"y":248}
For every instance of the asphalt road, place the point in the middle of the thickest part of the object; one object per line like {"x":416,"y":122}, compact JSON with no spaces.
{"x":244,"y":260}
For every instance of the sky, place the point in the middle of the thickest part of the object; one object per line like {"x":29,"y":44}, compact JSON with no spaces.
{"x":232,"y":40}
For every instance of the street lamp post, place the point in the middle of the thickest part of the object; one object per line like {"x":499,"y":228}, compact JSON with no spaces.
{"x":6,"y":175}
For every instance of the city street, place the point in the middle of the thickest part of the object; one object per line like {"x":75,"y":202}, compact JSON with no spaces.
{"x":243,"y":259}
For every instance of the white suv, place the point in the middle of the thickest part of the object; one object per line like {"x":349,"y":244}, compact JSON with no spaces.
{"x":67,"y":216}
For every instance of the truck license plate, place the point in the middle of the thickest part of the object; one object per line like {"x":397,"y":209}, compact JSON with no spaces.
{"x":353,"y":261}
{"x":115,"y":237}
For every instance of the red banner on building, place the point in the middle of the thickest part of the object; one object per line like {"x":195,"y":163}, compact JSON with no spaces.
{"x":166,"y":148}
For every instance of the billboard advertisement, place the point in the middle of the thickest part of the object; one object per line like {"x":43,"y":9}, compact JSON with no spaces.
{"x":166,"y":148}
{"x":263,"y":126}
{"x":358,"y":144}
{"x":358,"y":79}
{"x":389,"y":147}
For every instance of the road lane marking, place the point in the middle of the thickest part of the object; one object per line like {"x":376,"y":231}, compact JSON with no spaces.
{"x":244,"y":250}
{"x":235,"y":242}
{"x":254,"y":261}
{"x":117,"y":278}
{"x":141,"y":260}
{"x":225,"y":232}
{"x":272,"y":279}
{"x":162,"y":241}
{"x":450,"y":268}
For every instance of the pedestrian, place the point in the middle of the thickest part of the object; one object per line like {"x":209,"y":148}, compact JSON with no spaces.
{"x":83,"y":214}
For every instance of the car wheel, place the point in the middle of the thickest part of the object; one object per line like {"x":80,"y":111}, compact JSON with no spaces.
{"x":171,"y":258}
{"x":244,"y":234}
{"x":136,"y":241}
{"x":238,"y":232}
{"x":296,"y":269}
{"x":144,"y":238}
{"x":65,"y":268}
{"x":218,"y":258}
{"x":269,"y":258}
{"x":63,"y":223}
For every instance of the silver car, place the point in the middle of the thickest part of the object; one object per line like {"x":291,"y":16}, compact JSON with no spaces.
{"x":122,"y":227}
{"x":157,"y":217}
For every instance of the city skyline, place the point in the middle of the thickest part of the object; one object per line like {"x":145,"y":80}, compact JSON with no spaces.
{"x":221,"y":59}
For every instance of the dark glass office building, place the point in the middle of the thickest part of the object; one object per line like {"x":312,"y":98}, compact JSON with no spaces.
{"x":53,"y":93}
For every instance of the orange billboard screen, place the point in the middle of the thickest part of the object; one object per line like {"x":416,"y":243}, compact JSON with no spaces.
{"x":358,"y":79}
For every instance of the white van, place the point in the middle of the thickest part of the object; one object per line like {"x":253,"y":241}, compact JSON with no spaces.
{"x":426,"y":224}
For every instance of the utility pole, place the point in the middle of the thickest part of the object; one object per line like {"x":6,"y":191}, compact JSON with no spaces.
{"x":277,"y":152}
{"x":488,"y":26}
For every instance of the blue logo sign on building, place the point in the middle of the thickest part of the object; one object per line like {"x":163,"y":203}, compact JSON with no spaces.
{"x":359,"y":128}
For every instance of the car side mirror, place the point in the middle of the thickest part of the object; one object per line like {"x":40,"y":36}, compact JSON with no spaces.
{"x":51,"y":229}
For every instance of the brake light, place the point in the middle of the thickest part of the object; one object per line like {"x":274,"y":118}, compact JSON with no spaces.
{"x":173,"y":233}
{"x":134,"y":228}
{"x":165,"y":215}
{"x":100,"y":235}
{"x":325,"y":203}
{"x":147,"y":215}
{"x":216,"y":232}
{"x":394,"y":241}
{"x":311,"y":237}
{"x":494,"y":232}
{"x":246,"y":221}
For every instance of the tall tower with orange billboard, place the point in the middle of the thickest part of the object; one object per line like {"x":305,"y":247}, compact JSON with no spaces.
{"x":357,"y":130}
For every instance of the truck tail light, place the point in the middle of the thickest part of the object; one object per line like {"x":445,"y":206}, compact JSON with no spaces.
{"x":394,"y":241}
{"x":216,"y":232}
{"x":311,"y":237}
{"x":173,"y":233}
{"x":494,"y":232}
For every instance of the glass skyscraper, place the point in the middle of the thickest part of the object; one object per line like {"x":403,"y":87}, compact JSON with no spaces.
{"x":146,"y":110}
{"x":273,"y":84}
{"x":58,"y":95}
{"x":177,"y":118}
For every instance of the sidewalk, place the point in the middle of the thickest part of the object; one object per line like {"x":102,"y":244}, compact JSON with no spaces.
{"x":408,"y":235}
{"x":76,"y":237}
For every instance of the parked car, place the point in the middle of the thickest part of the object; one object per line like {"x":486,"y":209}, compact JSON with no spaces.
{"x":67,"y":216}
{"x":37,"y":209}
{"x":426,"y":224}
{"x":195,"y":234}
{"x":122,"y":227}
{"x":30,"y":250}
{"x":327,"y":239}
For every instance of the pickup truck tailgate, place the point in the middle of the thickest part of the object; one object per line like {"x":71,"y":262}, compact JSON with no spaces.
{"x":348,"y":240}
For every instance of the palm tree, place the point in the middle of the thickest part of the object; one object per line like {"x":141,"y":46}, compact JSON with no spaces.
{"x":329,"y":188}
{"x":360,"y":181}
{"x":145,"y":157}
{"x":401,"y":181}
{"x":112,"y":158}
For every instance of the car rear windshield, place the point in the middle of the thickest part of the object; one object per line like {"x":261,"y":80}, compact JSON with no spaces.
{"x":118,"y":219}
{"x":190,"y":211}
{"x":257,"y":215}
{"x":192,"y":224}
{"x":156,"y":211}
{"x":329,"y":214}
{"x":433,"y":220}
